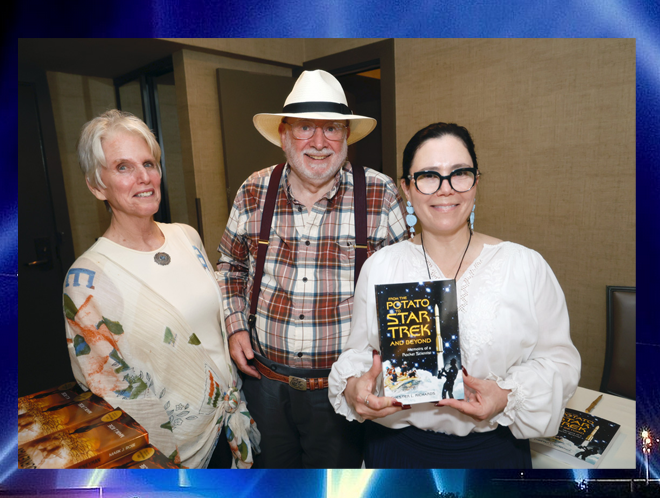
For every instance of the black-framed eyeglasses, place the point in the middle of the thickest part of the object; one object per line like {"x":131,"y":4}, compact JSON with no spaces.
{"x":429,"y":182}
{"x":304,"y":130}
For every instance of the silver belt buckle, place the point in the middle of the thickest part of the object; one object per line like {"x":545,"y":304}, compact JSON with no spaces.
{"x":298,"y":383}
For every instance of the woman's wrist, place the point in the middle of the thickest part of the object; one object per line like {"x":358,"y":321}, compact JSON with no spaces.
{"x":349,"y":390}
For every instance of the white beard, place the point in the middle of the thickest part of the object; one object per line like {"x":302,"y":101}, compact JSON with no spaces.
{"x":316,"y":173}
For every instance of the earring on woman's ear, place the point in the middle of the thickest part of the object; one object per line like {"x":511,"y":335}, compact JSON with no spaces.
{"x":411,"y":219}
{"x":472,"y":218}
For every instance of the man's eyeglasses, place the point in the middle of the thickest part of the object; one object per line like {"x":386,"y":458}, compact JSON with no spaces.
{"x":304,"y":130}
{"x":429,"y":182}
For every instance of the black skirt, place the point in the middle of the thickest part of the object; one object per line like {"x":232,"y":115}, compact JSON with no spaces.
{"x":413,"y":448}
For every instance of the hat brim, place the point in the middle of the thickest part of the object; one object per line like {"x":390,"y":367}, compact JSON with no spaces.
{"x":268,"y":124}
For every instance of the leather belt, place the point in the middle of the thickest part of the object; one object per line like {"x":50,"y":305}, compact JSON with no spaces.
{"x":296,"y":382}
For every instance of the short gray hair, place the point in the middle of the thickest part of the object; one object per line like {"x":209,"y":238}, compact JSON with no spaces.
{"x":94,"y":132}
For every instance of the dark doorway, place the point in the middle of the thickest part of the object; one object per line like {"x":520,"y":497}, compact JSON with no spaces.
{"x":367,"y":75}
{"x":45,"y":247}
{"x":363,"y":94}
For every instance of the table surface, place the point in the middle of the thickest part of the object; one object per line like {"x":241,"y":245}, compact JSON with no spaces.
{"x":622,"y":454}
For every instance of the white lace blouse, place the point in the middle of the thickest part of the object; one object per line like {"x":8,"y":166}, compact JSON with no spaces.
{"x":514,"y":329}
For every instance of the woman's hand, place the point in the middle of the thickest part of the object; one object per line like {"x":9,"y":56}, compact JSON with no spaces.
{"x":359,"y":394}
{"x":483,"y":398}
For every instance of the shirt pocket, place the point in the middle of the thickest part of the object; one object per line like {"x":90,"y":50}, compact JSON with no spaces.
{"x":336,"y":266}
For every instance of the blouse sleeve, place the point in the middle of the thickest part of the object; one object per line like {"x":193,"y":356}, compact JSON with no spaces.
{"x":357,"y":356}
{"x":95,"y":336}
{"x":541,"y":383}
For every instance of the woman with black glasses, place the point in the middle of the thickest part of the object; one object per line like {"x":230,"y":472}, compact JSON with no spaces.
{"x":514,"y":328}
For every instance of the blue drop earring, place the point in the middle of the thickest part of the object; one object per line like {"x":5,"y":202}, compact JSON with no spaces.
{"x":411,"y":219}
{"x":472,"y":218}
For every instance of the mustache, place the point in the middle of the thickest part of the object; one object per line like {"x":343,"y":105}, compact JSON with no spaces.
{"x":313,"y":150}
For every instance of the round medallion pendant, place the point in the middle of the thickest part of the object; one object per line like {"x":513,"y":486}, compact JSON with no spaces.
{"x":162,"y":258}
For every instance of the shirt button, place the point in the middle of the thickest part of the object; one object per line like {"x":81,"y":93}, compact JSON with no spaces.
{"x":302,"y":317}
{"x":307,"y":242}
{"x":299,"y":355}
{"x":304,"y":279}
{"x":299,"y":209}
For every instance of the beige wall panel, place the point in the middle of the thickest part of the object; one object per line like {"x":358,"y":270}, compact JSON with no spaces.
{"x":554,"y":126}
{"x":283,"y":50}
{"x":182,"y":205}
{"x":321,"y":47}
{"x":201,"y":142}
{"x":130,"y":96}
{"x":77,"y":99}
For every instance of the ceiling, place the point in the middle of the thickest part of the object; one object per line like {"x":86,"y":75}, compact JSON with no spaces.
{"x":99,"y":57}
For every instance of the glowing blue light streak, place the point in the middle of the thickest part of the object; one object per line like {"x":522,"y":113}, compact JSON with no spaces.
{"x":641,"y":464}
{"x":8,"y":458}
{"x":625,"y":22}
{"x":581,"y":477}
{"x":437,"y":478}
{"x":96,"y":478}
{"x":184,"y":480}
{"x":347,"y":482}
{"x":7,"y":474}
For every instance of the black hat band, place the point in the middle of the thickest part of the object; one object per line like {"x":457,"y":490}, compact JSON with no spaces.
{"x":301,"y":107}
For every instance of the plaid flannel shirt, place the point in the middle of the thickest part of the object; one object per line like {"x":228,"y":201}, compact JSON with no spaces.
{"x":306,"y":299}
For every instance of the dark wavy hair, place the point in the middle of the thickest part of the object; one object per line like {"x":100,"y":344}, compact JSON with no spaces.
{"x":436,"y":130}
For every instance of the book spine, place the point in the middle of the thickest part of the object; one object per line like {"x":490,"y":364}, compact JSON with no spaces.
{"x":113,"y":451}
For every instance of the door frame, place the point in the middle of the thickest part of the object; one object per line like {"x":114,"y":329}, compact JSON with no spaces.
{"x":53,"y":354}
{"x":146,"y":76}
{"x":64,"y":240}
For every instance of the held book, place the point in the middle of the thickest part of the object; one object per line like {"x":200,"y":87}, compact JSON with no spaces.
{"x":99,"y":441}
{"x":419,"y":341}
{"x":582,"y":439}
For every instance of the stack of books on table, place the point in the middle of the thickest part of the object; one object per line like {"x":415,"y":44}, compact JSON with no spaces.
{"x":66,"y":428}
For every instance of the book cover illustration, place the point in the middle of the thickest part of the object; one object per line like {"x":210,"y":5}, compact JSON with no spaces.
{"x":419,"y":341}
{"x":68,"y":412}
{"x":103,"y":439}
{"x":582,"y":439}
{"x":49,"y":397}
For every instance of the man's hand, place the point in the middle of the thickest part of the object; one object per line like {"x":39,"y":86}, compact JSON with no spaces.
{"x":240,"y":350}
{"x":359,"y":394}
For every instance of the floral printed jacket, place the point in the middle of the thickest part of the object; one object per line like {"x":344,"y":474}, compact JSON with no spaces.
{"x":133,"y":348}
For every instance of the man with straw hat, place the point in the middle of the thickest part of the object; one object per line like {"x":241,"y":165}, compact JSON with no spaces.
{"x":288,"y":281}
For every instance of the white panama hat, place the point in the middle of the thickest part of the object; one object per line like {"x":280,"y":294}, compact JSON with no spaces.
{"x":316,"y":95}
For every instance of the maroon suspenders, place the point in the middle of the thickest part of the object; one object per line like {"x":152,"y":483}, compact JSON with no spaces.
{"x":360,"y":200}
